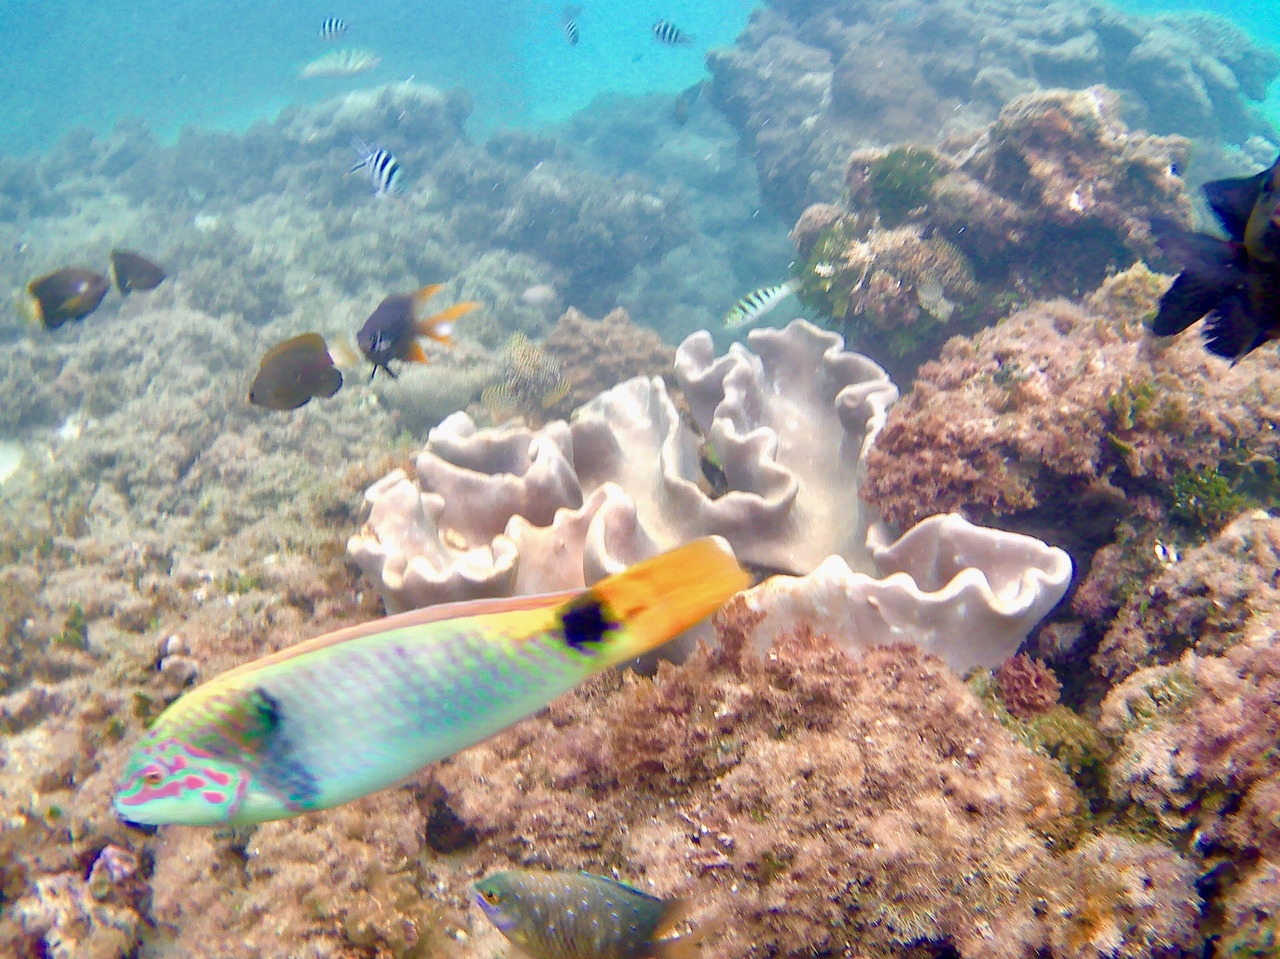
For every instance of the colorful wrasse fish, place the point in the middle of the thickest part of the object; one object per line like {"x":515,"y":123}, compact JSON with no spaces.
{"x":577,"y":915}
{"x":757,"y":303}
{"x":68,"y":294}
{"x":391,"y":332}
{"x":1235,"y":283}
{"x":352,"y":712}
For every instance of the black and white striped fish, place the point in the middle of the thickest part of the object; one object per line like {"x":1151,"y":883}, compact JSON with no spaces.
{"x":332,"y":29}
{"x":757,"y":303}
{"x":569,"y":21}
{"x":664,"y":31}
{"x":380,"y":165}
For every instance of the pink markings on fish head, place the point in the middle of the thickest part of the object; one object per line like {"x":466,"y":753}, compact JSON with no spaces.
{"x":181,"y":778}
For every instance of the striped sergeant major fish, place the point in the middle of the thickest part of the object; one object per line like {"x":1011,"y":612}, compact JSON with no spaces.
{"x":664,"y":31}
{"x":379,"y":165}
{"x":757,"y":303}
{"x":569,"y":21}
{"x":332,"y":29}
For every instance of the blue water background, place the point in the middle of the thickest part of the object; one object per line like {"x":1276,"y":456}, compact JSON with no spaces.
{"x":225,"y":64}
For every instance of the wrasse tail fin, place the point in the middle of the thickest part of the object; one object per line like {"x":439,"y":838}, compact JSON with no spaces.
{"x":661,"y":597}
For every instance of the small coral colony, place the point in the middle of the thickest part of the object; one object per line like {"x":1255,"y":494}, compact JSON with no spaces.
{"x":750,"y":491}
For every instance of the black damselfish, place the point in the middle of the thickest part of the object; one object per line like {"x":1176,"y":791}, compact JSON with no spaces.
{"x":1235,"y":283}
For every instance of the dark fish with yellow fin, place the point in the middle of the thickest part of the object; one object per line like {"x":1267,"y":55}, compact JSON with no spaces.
{"x":1234,"y":283}
{"x":577,"y":915}
{"x":294,"y":372}
{"x":133,"y":271}
{"x":391,"y":332}
{"x":68,"y":294}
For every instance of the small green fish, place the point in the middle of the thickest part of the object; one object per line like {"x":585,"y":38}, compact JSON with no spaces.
{"x":757,"y":303}
{"x":349,"y":713}
{"x":576,"y":915}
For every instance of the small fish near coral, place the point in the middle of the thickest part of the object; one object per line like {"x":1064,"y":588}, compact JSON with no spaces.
{"x":757,"y":303}
{"x":569,"y":22}
{"x":391,"y":332}
{"x":379,"y":165}
{"x":1235,"y":283}
{"x":295,"y":372}
{"x":68,"y":294}
{"x":578,"y":915}
{"x":134,"y":272}
{"x":666,"y":32}
{"x":359,"y":710}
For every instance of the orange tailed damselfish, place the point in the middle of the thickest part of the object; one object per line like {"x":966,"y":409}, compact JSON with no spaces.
{"x":391,"y":332}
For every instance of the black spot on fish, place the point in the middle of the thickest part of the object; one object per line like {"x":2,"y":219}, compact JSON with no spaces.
{"x":279,"y":767}
{"x":585,"y":623}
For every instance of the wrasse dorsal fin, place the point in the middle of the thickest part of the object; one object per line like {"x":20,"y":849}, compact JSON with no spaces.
{"x":413,"y":618}
{"x":1233,"y":201}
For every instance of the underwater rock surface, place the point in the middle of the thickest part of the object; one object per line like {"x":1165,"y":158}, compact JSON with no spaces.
{"x":807,"y":84}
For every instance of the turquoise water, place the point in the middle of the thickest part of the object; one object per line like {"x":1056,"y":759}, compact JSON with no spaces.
{"x":225,"y":64}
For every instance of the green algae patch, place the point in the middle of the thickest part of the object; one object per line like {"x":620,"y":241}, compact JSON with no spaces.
{"x":901,"y":181}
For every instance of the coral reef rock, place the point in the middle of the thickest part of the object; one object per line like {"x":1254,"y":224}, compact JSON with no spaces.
{"x":1066,"y":418}
{"x":824,"y":805}
{"x":1047,"y":201}
{"x":807,"y":83}
{"x":784,"y":431}
{"x":595,"y":354}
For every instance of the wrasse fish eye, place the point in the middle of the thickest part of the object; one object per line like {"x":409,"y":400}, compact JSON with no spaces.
{"x":491,"y":897}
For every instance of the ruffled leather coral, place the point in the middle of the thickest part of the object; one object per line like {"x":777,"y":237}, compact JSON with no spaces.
{"x":965,"y":593}
{"x":789,"y":426}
